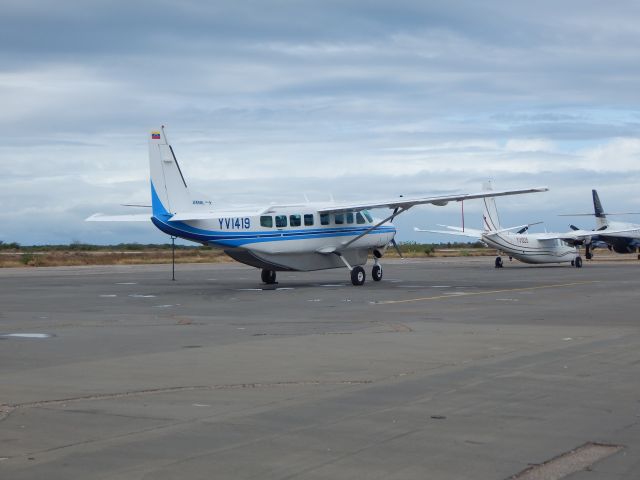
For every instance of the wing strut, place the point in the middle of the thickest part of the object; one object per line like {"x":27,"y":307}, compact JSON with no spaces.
{"x":396,"y":212}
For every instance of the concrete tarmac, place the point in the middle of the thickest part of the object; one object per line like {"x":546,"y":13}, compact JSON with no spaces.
{"x":447,"y":369}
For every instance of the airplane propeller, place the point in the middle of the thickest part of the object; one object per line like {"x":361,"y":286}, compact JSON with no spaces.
{"x":395,"y":245}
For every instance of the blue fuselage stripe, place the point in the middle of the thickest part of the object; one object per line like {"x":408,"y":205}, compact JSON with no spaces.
{"x":241,"y":238}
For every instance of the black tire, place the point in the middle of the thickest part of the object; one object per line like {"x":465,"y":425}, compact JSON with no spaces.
{"x":498,"y":262}
{"x":358,"y":276}
{"x":578,"y":262}
{"x":376,"y":273}
{"x":588,"y":255}
{"x":268,"y":276}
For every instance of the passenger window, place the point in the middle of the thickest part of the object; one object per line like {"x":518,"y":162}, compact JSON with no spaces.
{"x":360,"y":219}
{"x":308,"y":220}
{"x":295,"y":220}
{"x":367,"y":215}
{"x":281,"y":221}
{"x":339,"y":218}
{"x":350,"y":217}
{"x":266,"y":221}
{"x":324,"y":219}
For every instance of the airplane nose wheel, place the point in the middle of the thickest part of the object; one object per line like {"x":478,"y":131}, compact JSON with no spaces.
{"x":376,"y":273}
{"x":358,"y":276}
{"x":268,"y":276}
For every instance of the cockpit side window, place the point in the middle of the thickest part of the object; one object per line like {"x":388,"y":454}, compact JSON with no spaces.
{"x":360,"y":219}
{"x":266,"y":221}
{"x":367,"y":215}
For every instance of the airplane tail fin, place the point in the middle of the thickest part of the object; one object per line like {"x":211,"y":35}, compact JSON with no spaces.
{"x":601,"y":217}
{"x":169,"y":191}
{"x":490,"y":218}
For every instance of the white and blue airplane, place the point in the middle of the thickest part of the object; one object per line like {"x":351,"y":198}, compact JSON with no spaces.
{"x":533,"y":248}
{"x":297,"y":237}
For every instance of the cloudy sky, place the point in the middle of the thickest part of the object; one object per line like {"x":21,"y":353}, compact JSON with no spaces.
{"x":274,"y":100}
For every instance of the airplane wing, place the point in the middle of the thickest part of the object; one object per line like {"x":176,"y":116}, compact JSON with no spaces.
{"x":404,"y":203}
{"x":467,"y":232}
{"x":99,"y":217}
{"x":581,"y":235}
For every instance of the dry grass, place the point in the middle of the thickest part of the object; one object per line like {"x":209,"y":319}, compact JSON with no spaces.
{"x":149,"y":255}
{"x":78,"y":258}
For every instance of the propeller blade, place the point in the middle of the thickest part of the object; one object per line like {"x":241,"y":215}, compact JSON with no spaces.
{"x":395,"y":245}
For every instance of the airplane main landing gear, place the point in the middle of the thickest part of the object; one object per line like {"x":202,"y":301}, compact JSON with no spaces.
{"x":577,"y":262}
{"x":268,"y":276}
{"x":358,"y":276}
{"x":498,"y":262}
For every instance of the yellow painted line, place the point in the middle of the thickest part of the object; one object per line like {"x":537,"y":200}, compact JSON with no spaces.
{"x":488,"y":292}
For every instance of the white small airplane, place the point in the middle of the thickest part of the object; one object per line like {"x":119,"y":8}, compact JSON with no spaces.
{"x":300,"y":237}
{"x":526,"y":247}
{"x":621,"y":237}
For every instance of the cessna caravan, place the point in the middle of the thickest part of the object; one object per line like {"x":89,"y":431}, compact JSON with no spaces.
{"x":295,"y":237}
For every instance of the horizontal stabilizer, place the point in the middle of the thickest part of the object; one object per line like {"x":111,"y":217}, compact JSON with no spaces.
{"x":471,"y":233}
{"x":99,"y":217}
{"x":519,"y":227}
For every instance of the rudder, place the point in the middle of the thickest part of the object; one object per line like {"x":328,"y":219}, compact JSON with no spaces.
{"x":169,"y":191}
{"x":490,"y":218}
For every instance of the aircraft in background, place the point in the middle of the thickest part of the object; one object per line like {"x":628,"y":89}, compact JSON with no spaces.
{"x":296,"y":237}
{"x":526,"y":247}
{"x":621,"y":237}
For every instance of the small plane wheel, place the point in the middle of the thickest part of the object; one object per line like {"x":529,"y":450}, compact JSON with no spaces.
{"x":573,"y":263}
{"x":268,"y":276}
{"x":376,"y":273}
{"x":578,"y":262}
{"x":358,"y":276}
{"x":498,"y":262}
{"x":588,"y":255}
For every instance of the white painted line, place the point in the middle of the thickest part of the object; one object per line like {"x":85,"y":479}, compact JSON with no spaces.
{"x":26,"y":335}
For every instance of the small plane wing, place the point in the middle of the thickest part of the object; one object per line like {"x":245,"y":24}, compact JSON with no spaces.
{"x":99,"y":217}
{"x":405,"y":203}
{"x":581,"y":235}
{"x":467,"y":232}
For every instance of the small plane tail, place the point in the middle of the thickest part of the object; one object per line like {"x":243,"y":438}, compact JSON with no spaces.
{"x":169,"y":191}
{"x":601,"y":217}
{"x":490,"y":218}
